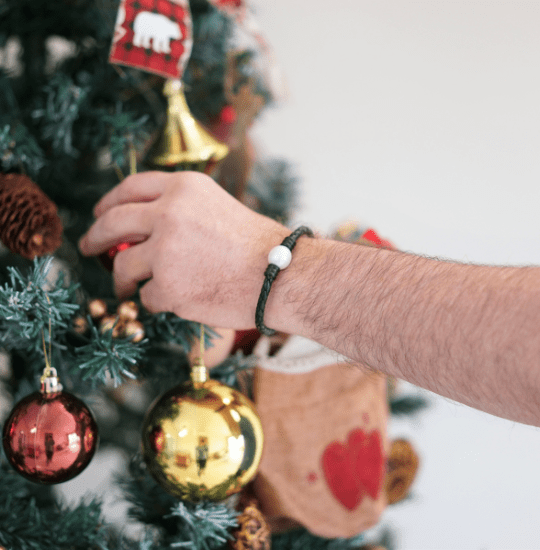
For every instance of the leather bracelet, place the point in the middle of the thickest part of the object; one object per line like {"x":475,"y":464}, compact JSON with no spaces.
{"x":279,"y":258}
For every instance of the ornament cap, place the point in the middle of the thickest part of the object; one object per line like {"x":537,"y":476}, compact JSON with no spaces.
{"x":199,"y":373}
{"x":50,"y":383}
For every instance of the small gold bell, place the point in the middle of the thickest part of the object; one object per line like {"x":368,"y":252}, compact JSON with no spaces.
{"x":184,"y":144}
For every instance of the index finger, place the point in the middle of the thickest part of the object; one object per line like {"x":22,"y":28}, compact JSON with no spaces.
{"x":141,"y":187}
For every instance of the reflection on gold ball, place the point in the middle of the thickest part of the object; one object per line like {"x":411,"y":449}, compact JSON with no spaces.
{"x":202,"y":441}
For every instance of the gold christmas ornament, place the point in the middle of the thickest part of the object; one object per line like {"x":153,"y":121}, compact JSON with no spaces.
{"x":133,"y":329}
{"x":128,"y":311}
{"x":109,"y":322}
{"x":80,"y":325}
{"x":202,"y":439}
{"x":184,"y":144}
{"x":97,"y":308}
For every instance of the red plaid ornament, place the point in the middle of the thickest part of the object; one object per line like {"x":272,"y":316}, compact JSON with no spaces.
{"x":153,"y":35}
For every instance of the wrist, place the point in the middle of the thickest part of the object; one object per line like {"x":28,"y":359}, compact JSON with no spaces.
{"x":318,"y":295}
{"x":293,"y":287}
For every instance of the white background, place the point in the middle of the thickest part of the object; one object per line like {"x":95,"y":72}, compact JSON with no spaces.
{"x":422,"y":120}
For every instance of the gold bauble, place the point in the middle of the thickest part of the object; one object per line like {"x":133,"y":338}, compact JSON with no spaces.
{"x":128,"y":311}
{"x":97,"y":308}
{"x":202,"y":440}
{"x":80,"y":325}
{"x":111,"y":322}
{"x":184,"y":144}
{"x":133,"y":330}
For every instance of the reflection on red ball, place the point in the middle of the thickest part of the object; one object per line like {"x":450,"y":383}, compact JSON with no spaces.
{"x":107,"y":258}
{"x":50,"y":438}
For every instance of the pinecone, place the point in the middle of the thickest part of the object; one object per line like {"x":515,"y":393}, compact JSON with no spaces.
{"x":253,"y":532}
{"x":29,"y":221}
{"x":402,"y":467}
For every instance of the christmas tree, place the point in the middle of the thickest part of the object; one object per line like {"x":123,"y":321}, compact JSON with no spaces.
{"x":76,"y":117}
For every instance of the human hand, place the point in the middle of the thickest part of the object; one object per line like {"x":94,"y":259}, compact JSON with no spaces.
{"x":202,"y":253}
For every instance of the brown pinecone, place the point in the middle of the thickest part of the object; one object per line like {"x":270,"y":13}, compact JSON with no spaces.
{"x":402,"y":467}
{"x":253,"y":532}
{"x":29,"y":221}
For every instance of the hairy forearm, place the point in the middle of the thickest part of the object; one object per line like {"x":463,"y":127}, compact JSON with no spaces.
{"x":466,"y":332}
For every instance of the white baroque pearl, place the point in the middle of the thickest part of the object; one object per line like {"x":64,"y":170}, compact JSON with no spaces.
{"x":280,"y":256}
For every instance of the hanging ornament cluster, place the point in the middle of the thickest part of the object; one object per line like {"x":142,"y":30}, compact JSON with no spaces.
{"x":50,"y":435}
{"x":202,"y":440}
{"x":157,"y":37}
{"x":29,"y":221}
{"x":124,"y":324}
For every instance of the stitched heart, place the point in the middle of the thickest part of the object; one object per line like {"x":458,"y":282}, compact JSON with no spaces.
{"x":355,"y":467}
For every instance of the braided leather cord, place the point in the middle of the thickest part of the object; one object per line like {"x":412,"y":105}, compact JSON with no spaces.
{"x":270,"y":275}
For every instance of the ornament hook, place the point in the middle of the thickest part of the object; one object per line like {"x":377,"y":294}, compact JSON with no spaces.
{"x":49,"y":379}
{"x":199,"y":373}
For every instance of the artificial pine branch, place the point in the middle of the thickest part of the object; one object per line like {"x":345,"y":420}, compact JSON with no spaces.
{"x":408,"y":405}
{"x":169,"y":328}
{"x":126,"y":130}
{"x":229,"y":370}
{"x":29,"y":303}
{"x":30,"y":522}
{"x":59,"y":111}
{"x":107,"y":358}
{"x":19,"y":149}
{"x":203,"y":525}
{"x":195,"y":526}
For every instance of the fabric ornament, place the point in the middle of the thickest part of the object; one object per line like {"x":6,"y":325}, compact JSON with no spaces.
{"x":324,"y":420}
{"x":153,"y":35}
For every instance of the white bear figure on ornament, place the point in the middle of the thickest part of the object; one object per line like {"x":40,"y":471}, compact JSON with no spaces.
{"x":157,"y":28}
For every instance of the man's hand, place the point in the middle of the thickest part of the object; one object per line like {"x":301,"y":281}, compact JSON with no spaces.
{"x":202,"y":253}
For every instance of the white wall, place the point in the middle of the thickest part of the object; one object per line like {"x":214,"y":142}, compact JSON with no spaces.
{"x":422,"y":119}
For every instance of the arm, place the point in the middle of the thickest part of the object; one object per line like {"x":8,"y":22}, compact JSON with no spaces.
{"x":463,"y":331}
{"x":466,"y":332}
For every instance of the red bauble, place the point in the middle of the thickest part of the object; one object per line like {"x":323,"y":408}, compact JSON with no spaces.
{"x":50,"y":437}
{"x":107,"y":258}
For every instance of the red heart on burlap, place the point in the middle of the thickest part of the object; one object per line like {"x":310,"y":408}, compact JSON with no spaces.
{"x":355,"y":467}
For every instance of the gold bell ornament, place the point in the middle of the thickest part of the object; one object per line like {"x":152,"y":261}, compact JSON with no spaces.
{"x":202,"y":440}
{"x":184,"y":144}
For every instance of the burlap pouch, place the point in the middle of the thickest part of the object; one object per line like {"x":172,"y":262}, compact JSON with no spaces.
{"x":324,"y":460}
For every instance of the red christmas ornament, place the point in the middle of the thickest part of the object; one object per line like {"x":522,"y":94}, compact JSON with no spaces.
{"x":107,"y":258}
{"x":51,"y":435}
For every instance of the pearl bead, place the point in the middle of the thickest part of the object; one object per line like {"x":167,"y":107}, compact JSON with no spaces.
{"x":280,"y":256}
